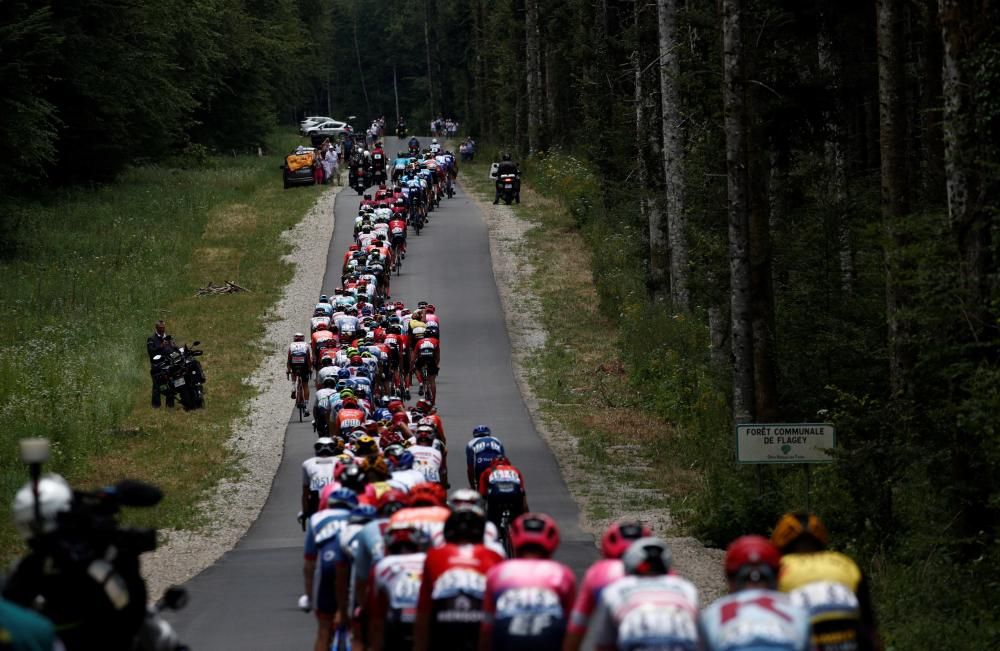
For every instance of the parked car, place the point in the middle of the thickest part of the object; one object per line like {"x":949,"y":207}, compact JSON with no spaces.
{"x":329,"y":129}
{"x":298,"y":167}
{"x":312,"y":121}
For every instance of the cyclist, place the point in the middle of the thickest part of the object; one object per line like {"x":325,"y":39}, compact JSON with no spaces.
{"x":396,"y":581}
{"x":426,"y":409}
{"x":466,"y":496}
{"x":299,"y":364}
{"x":426,"y":510}
{"x":647,"y":608}
{"x":753,"y":616}
{"x":502,"y":486}
{"x":528,"y":599}
{"x":322,"y":408}
{"x":449,"y":611}
{"x":480,"y":452}
{"x":614,"y":542}
{"x":370,"y":546}
{"x":427,"y":457}
{"x":428,"y":363}
{"x":829,"y":584}
{"x":322,"y":538}
{"x":403,"y":476}
{"x":317,"y":472}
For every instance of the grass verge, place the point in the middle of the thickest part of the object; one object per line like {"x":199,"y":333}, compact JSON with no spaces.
{"x":87,"y":273}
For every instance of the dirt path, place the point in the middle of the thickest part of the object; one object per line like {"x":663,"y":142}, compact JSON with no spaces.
{"x":513,"y":271}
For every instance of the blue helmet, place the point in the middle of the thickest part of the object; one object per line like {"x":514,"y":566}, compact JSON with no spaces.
{"x":362,"y":513}
{"x":343,"y":374}
{"x":402,"y":461}
{"x":342,"y":498}
{"x":481,"y":430}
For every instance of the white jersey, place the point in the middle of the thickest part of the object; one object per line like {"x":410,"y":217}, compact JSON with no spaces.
{"x":427,"y":460}
{"x":406,"y":479}
{"x":316,"y":321}
{"x":754,"y":619}
{"x":645,"y":612}
{"x":317,"y":472}
{"x":398,"y":577}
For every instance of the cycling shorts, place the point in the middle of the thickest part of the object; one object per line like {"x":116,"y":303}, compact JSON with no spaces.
{"x":428,"y":366}
{"x":324,"y":597}
{"x":301,"y":370}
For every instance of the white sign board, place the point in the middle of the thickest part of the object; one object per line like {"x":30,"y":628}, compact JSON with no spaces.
{"x":785,"y":442}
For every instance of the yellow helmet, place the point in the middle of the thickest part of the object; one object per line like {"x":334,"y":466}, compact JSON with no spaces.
{"x":793,"y":526}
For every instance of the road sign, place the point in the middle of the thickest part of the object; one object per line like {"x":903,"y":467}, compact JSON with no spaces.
{"x":785,"y":442}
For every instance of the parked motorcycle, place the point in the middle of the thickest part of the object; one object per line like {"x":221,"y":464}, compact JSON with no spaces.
{"x":180,"y":374}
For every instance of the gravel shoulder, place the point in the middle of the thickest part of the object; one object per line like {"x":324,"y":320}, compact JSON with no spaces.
{"x":257,"y":438}
{"x":513,"y":271}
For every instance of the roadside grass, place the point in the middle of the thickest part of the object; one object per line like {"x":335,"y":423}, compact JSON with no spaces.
{"x":88,"y":271}
{"x":579,"y":377}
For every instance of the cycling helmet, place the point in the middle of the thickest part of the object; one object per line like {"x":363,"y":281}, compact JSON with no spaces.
{"x":378,"y":468}
{"x":620,"y":535}
{"x":425,"y":433}
{"x":389,"y":438}
{"x":432,"y":331}
{"x":466,"y":524}
{"x":363,"y":514}
{"x":427,"y":494}
{"x":434,"y":141}
{"x":403,"y":461}
{"x":353,"y":477}
{"x":481,"y":431}
{"x":464,"y":496}
{"x":323,"y":298}
{"x":54,"y":497}
{"x":752,"y":559}
{"x":391,"y":501}
{"x":299,"y":336}
{"x":325,"y":447}
{"x":342,"y":498}
{"x":343,"y":374}
{"x":326,"y":361}
{"x":647,"y":557}
{"x":365,"y":446}
{"x":424,"y":406}
{"x":534,"y":530}
{"x":421,"y":304}
{"x":793,"y":526}
{"x":405,"y":539}
{"x":506,"y":156}
{"x":329,"y":382}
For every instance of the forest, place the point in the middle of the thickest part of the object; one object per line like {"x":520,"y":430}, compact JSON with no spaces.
{"x":791,"y":207}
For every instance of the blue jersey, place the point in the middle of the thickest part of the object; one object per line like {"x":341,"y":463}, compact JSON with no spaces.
{"x":754,"y":620}
{"x":480,"y":452}
{"x":323,"y":543}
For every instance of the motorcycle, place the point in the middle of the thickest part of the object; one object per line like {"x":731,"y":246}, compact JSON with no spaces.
{"x":360,"y":183}
{"x":401,"y":131}
{"x":414,"y":151}
{"x":180,"y":375}
{"x":506,"y":184}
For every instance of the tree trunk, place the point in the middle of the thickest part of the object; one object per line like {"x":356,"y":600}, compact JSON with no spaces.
{"x":357,"y":53}
{"x":395,"y":89}
{"x":969,"y":218}
{"x":550,"y":93}
{"x":533,"y":63}
{"x":427,"y":48}
{"x":895,"y":197}
{"x":673,"y":153}
{"x":833,"y":148}
{"x":734,"y":90}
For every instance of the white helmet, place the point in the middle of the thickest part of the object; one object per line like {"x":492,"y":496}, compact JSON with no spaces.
{"x":434,"y":141}
{"x":54,"y":497}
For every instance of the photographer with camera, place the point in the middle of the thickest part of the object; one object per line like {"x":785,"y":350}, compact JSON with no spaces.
{"x":82,"y":567}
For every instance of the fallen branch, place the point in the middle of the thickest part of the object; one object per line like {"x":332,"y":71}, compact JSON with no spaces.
{"x":228,"y":288}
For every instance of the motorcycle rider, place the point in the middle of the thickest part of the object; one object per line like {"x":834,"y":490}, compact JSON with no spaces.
{"x":507,"y":166}
{"x":414,"y":144}
{"x":157,"y":344}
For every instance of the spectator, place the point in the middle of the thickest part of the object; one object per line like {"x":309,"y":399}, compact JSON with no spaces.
{"x":159,"y":343}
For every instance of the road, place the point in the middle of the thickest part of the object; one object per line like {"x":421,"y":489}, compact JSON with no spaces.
{"x":246,"y":600}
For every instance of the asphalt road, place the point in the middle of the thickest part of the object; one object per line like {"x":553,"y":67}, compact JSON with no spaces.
{"x":247,"y":599}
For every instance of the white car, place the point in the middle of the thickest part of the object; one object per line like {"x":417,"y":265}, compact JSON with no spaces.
{"x":311,"y":121}
{"x":328,"y":129}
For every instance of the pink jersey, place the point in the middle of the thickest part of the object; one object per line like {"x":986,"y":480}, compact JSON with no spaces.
{"x":600,"y":574}
{"x":528,"y":595}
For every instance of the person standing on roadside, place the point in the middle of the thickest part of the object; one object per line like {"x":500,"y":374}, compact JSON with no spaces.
{"x":157,"y":344}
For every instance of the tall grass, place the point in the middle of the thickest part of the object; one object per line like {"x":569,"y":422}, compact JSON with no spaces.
{"x":87,"y":272}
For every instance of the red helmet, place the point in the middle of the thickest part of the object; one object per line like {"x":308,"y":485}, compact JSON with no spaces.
{"x":353,"y":247}
{"x":379,"y":336}
{"x":400,"y":538}
{"x":390,"y":437}
{"x":534,"y":529}
{"x":391,"y":501}
{"x":754,"y":551}
{"x":400,"y":418}
{"x":395,"y":405}
{"x":620,"y":535}
{"x":428,"y":494}
{"x":424,"y":406}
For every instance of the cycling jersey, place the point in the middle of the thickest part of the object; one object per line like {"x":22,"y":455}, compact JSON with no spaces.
{"x":427,"y":460}
{"x":829,"y":586}
{"x":317,"y":321}
{"x":349,"y":419}
{"x":753,"y":620}
{"x":395,"y":593}
{"x":527,"y":604}
{"x":317,"y":472}
{"x":406,"y":479}
{"x":298,"y":354}
{"x":452,"y":592}
{"x":601,"y":574}
{"x":370,"y":547}
{"x":480,"y":453}
{"x":429,"y":519}
{"x":321,"y":543}
{"x":646,"y":612}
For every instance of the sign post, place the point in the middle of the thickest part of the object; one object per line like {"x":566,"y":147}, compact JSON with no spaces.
{"x":801,"y":443}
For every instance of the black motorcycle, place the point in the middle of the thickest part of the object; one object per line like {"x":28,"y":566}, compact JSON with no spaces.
{"x":507,"y":185}
{"x":401,"y":131}
{"x":179,"y":374}
{"x":359,"y":179}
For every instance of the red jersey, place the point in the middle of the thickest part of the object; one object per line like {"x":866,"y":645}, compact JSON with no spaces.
{"x":452,"y":591}
{"x":429,"y":348}
{"x":350,"y":418}
{"x":397,"y":226}
{"x":502,"y":472}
